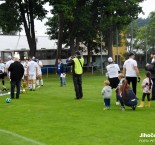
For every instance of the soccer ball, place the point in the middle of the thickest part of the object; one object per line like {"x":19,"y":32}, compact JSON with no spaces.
{"x":8,"y":100}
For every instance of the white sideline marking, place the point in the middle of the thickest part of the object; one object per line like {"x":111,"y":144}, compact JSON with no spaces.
{"x":22,"y":137}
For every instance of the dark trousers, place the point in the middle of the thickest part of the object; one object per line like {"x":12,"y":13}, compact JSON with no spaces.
{"x":153,"y":89}
{"x":144,"y":95}
{"x":16,"y":84}
{"x":106,"y":102}
{"x":132,"y":80}
{"x":120,"y":99}
{"x":129,"y":103}
{"x":77,"y":80}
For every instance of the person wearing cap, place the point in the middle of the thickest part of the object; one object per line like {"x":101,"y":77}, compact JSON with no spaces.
{"x":131,"y":71}
{"x":77,"y":63}
{"x":112,"y":71}
{"x":16,"y":70}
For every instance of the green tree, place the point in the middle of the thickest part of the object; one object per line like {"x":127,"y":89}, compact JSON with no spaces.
{"x":145,"y":36}
{"x":84,"y":20}
{"x":25,"y":11}
{"x":9,"y":19}
{"x":150,"y":29}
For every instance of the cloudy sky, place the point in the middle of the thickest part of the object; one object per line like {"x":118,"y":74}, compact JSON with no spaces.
{"x":147,"y":5}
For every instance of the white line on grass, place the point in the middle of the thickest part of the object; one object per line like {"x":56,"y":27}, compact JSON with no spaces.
{"x":22,"y":137}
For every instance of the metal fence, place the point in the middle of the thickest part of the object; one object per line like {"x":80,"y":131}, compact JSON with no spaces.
{"x":89,"y":69}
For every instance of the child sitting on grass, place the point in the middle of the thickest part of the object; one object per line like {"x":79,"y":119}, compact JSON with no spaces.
{"x":106,"y":93}
{"x":147,"y":88}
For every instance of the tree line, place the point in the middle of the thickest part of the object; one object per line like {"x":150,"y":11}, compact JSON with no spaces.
{"x":72,"y":22}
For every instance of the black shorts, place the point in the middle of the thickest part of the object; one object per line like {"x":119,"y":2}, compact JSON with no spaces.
{"x":2,"y":75}
{"x":114,"y":82}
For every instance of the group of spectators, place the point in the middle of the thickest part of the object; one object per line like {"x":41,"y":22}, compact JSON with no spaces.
{"x":120,"y":81}
{"x":125,"y":95}
{"x":30,"y":72}
{"x":21,"y":74}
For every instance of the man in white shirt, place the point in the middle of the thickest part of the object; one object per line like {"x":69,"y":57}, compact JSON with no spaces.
{"x":8,"y":63}
{"x":131,"y":71}
{"x":32,"y":72}
{"x":2,"y":72}
{"x":39,"y":77}
{"x":112,"y":71}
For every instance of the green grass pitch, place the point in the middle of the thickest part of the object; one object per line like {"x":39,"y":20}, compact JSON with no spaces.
{"x":51,"y":116}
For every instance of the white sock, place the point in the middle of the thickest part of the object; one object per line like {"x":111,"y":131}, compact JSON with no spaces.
{"x":37,"y":82}
{"x":41,"y":81}
{"x":34,"y":86}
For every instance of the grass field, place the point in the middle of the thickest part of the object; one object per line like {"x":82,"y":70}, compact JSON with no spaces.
{"x":51,"y":116}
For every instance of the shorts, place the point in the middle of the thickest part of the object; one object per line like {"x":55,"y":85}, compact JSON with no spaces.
{"x":114,"y":82}
{"x":32,"y":77}
{"x":2,"y":75}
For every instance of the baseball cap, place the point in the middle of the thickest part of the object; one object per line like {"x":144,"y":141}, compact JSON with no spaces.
{"x":33,"y":58}
{"x":110,"y":59}
{"x":131,"y":53}
{"x":17,"y":56}
{"x":9,"y":57}
{"x":77,"y":53}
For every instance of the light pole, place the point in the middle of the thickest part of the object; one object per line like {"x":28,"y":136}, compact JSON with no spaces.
{"x":101,"y":36}
{"x":117,"y":43}
{"x":146,"y":48}
{"x":131,"y":36}
{"x":101,"y":54}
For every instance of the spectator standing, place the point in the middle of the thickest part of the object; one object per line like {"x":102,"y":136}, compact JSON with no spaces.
{"x":151,"y":68}
{"x":77,"y":63}
{"x":2,"y":73}
{"x":8,"y":63}
{"x":16,"y":70}
{"x":39,"y":81}
{"x":131,"y":71}
{"x":112,"y":71}
{"x":106,"y":93}
{"x":60,"y":71}
{"x":25,"y":64}
{"x":147,"y":89}
{"x":32,"y":72}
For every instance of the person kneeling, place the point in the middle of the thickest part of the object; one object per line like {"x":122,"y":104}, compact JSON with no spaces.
{"x":127,"y":96}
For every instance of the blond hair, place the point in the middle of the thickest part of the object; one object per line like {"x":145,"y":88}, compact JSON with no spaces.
{"x":120,"y":75}
{"x":106,"y":83}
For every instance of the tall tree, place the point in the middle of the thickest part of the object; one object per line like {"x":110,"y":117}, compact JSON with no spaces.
{"x":27,"y":11}
{"x":9,"y":19}
{"x":84,"y":19}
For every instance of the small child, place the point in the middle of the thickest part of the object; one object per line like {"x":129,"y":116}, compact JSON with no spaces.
{"x":147,"y":88}
{"x":106,"y":93}
{"x":119,"y":92}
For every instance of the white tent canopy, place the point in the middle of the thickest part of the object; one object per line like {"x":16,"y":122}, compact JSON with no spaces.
{"x":19,"y":42}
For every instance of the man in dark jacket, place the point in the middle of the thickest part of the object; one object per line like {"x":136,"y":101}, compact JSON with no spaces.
{"x":16,"y":70}
{"x":77,"y":63}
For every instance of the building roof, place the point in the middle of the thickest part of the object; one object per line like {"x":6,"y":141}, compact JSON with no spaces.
{"x":19,"y":42}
